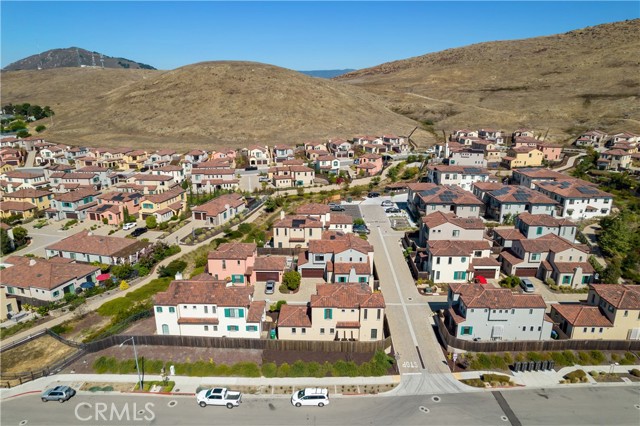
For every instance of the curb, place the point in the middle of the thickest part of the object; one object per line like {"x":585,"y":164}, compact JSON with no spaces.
{"x":21,"y":394}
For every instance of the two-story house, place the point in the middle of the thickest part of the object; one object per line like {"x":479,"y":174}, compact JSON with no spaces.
{"x":465,"y":157}
{"x":449,"y":261}
{"x":550,"y":152}
{"x":591,"y":138}
{"x":17,"y":179}
{"x":483,"y":312}
{"x":369,"y":164}
{"x":578,"y":199}
{"x":38,"y":197}
{"x":340,"y":258}
{"x":294,"y":231}
{"x":340,"y":148}
{"x":282,"y":153}
{"x":533,"y":226}
{"x":462,"y":176}
{"x":428,"y":198}
{"x":84,"y":246}
{"x":523,"y":157}
{"x":513,"y":200}
{"x":612,"y":312}
{"x":206,"y":307}
{"x":164,"y":205}
{"x":112,"y":207}
{"x":530,"y":176}
{"x":220,"y":210}
{"x":331,"y":221}
{"x":328,"y":164}
{"x":196,"y":156}
{"x":257,"y":155}
{"x":614,"y":159}
{"x":210,"y":180}
{"x":233,"y":262}
{"x":40,"y":281}
{"x":286,"y":176}
{"x":335,"y":312}
{"x":72,"y":205}
{"x":176,"y":173}
{"x":447,"y":226}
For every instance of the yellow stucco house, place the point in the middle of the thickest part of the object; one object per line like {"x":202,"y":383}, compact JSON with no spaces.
{"x":38,"y":197}
{"x":523,"y":157}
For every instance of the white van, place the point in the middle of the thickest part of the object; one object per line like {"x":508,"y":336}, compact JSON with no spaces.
{"x":310,"y":396}
{"x":128,"y":226}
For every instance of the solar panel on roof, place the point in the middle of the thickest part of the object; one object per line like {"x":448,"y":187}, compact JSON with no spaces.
{"x":564,"y":185}
{"x":521,"y":196}
{"x":587,"y":190}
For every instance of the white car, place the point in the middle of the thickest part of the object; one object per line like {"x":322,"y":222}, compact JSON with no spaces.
{"x":263,"y":179}
{"x":128,"y":226}
{"x":219,"y":396}
{"x":310,"y":396}
{"x":387,"y":203}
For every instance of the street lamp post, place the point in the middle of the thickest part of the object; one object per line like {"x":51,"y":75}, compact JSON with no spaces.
{"x":135,"y":354}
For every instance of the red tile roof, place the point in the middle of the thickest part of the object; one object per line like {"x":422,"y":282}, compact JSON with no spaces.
{"x":543,"y":220}
{"x":270,"y":263}
{"x":337,"y":242}
{"x":256,"y":310}
{"x":294,"y":316}
{"x":313,"y":209}
{"x":204,"y":292}
{"x":438,"y":218}
{"x":582,"y":315}
{"x":352,"y":296}
{"x":86,"y":242}
{"x":18,"y":206}
{"x":456,"y":247}
{"x":42,"y":273}
{"x":218,"y":205}
{"x":482,"y":296}
{"x":360,"y":268}
{"x":234,"y":251}
{"x":620,"y":296}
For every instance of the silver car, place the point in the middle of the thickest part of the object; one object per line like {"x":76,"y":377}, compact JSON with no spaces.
{"x":59,"y":393}
{"x":270,"y":287}
{"x":527,"y":285}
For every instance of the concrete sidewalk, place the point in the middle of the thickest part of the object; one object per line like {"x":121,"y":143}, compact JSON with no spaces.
{"x":188,"y":385}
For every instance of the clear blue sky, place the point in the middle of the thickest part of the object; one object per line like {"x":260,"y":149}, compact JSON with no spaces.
{"x":296,"y":35}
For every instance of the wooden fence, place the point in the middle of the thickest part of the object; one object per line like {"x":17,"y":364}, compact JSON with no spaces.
{"x":532,"y":345}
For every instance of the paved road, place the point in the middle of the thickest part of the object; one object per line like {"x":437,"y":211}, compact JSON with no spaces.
{"x":570,"y":162}
{"x":577,"y":406}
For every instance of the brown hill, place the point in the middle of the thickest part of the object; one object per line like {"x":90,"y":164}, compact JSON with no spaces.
{"x":73,"y":57}
{"x":565,"y":83}
{"x":207,"y":104}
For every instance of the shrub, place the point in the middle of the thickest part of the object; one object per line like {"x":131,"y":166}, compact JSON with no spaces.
{"x":283,"y":289}
{"x":476,"y":383}
{"x":245,"y":369}
{"x":172,"y":268}
{"x":61,"y":328}
{"x":283,"y":370}
{"x":510,"y":282}
{"x":269,"y":369}
{"x":575,"y":375}
{"x":508,"y":359}
{"x":291,"y":279}
{"x":496,"y":378}
{"x":550,"y":282}
{"x":570,"y":358}
{"x":594,"y":373}
{"x":314,"y":369}
{"x":151,"y":222}
{"x":123,"y":285}
{"x":635,"y":372}
{"x":197,"y":271}
{"x":629,"y":359}
{"x":584,"y":357}
{"x":298,"y":369}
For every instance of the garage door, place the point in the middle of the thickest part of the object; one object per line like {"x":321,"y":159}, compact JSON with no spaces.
{"x":266,"y":276}
{"x":71,"y":215}
{"x":312,"y":273}
{"x":526,"y":272}
{"x":487,"y":273}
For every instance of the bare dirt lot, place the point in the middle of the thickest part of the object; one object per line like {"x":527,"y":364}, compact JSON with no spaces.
{"x":34,"y":355}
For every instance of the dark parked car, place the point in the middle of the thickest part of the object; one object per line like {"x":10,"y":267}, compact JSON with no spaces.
{"x":59,"y":393}
{"x":373,"y":194}
{"x":360,"y":229}
{"x":336,"y":208}
{"x":393,"y":210}
{"x":138,"y":231}
{"x":251,"y":168}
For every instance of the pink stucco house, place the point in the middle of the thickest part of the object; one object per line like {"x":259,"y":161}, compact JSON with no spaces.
{"x":550,"y":152}
{"x":370,"y":164}
{"x":233,"y":262}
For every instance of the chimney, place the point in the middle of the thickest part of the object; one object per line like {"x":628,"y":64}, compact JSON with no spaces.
{"x":179,"y":276}
{"x":89,"y":234}
{"x":32,"y":262}
{"x":282,"y":214}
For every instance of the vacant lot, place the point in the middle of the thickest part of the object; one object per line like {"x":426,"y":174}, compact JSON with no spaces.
{"x":34,"y":355}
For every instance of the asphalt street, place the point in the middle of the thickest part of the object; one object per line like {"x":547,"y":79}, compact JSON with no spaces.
{"x":579,"y":406}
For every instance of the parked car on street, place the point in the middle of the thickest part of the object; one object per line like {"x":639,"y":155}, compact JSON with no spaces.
{"x":251,"y":168}
{"x":361,"y":229}
{"x":336,"y":208}
{"x":138,"y":231}
{"x":219,"y":396}
{"x":310,"y":396}
{"x":269,"y":287}
{"x":59,"y":393}
{"x":393,"y":210}
{"x":373,"y":194}
{"x":128,"y":226}
{"x":527,"y":285}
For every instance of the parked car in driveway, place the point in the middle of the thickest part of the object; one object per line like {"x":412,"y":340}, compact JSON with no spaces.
{"x":373,"y":194}
{"x":128,"y":226}
{"x":219,"y":396}
{"x":393,"y":210}
{"x":387,"y":203}
{"x":263,"y":179}
{"x":138,"y":231}
{"x":59,"y":393}
{"x":337,"y":208}
{"x":527,"y":285}
{"x":269,"y":287}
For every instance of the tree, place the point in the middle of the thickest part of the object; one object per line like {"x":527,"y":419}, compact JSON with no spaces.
{"x":172,"y":268}
{"x":124,"y":285}
{"x":359,"y":221}
{"x":270,"y":204}
{"x":509,"y":219}
{"x":41,"y":128}
{"x":20,"y":236}
{"x":614,"y":239}
{"x":6,"y":245}
{"x":510,"y":282}
{"x":291,"y":279}
{"x":151,"y":222}
{"x":612,"y":272}
{"x":23,"y":134}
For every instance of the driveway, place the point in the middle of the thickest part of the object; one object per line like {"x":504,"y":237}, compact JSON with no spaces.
{"x":301,"y":297}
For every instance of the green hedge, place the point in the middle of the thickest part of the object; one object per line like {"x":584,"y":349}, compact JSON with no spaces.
{"x":496,"y":378}
{"x":578,"y":374}
{"x":378,"y":366}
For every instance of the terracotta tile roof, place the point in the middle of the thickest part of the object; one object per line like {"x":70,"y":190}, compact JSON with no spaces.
{"x":313,"y":209}
{"x":615,"y":152}
{"x":165,"y":196}
{"x":449,"y":195}
{"x":73,"y":196}
{"x":484,"y":261}
{"x":438,"y":218}
{"x":18,"y":206}
{"x":298,"y":222}
{"x":509,"y":256}
{"x":371,"y":156}
{"x":27,"y":193}
{"x":543,"y":220}
{"x":41,"y":273}
{"x":565,"y":267}
{"x":153,"y":178}
{"x":549,"y":242}
{"x":218,"y":205}
{"x":573,"y":189}
{"x":22,"y":175}
{"x":509,"y":234}
{"x":361,"y":268}
{"x":519,"y":195}
{"x":348,"y":324}
{"x":620,"y":296}
{"x":540,"y":173}
{"x":204,"y":292}
{"x":337,"y":242}
{"x":73,"y":175}
{"x":456,"y":247}
{"x":366,"y":166}
{"x":234,"y":251}
{"x":92,"y":169}
{"x":488,"y":186}
{"x":294,"y":316}
{"x":467,"y":170}
{"x":294,"y":163}
{"x":340,"y":219}
{"x":352,"y":296}
{"x":457,"y":318}
{"x":222,"y":172}
{"x":86,"y":242}
{"x":582,"y":315}
{"x":201,"y":321}
{"x":256,"y":310}
{"x":213,"y":164}
{"x":270,"y":263}
{"x":168,"y":168}
{"x":482,"y":296}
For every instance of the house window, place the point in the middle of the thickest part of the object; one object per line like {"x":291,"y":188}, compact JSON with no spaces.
{"x":303,"y":330}
{"x":172,"y":310}
{"x":456,"y":233}
{"x":539,"y":328}
{"x":206,"y":328}
{"x":328,"y":314}
{"x":584,"y":330}
{"x":466,"y":331}
{"x":463,"y":260}
{"x":626,"y":313}
{"x":379,"y":313}
{"x":224,"y":264}
{"x":530,"y":311}
{"x":437,"y":260}
{"x":322,"y":331}
{"x":147,"y":205}
{"x":215,"y":328}
{"x":450,"y":260}
{"x":319,"y":257}
{"x":535,"y":257}
{"x":252,"y":328}
{"x":566,"y":279}
{"x":524,"y":328}
{"x":159,"y":309}
{"x":478,"y":253}
{"x":539,"y":230}
{"x":362,"y":279}
{"x":366,"y":311}
{"x":342,"y":279}
{"x":213,"y":309}
{"x":293,"y":330}
{"x":459,"y":275}
{"x":374,"y":333}
{"x":531,"y":328}
{"x":593,"y":329}
{"x":55,"y":293}
{"x":232,"y":328}
{"x":234,"y":313}
{"x":206,"y":309}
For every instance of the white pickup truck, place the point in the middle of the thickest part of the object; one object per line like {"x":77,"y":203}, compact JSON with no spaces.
{"x":219,"y":396}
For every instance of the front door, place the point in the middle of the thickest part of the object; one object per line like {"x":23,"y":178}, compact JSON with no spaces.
{"x":165,"y":329}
